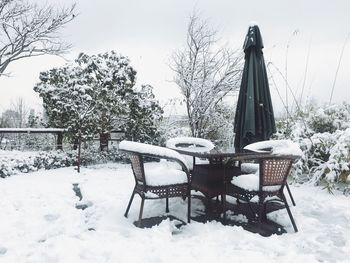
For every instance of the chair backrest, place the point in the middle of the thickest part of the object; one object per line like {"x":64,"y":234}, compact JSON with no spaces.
{"x":198,"y":144}
{"x":192,"y":144}
{"x":137,"y":167}
{"x":274,"y":170}
{"x":138,"y":151}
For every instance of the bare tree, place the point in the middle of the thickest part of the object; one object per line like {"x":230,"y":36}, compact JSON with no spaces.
{"x":27,"y":30}
{"x":205,"y":73}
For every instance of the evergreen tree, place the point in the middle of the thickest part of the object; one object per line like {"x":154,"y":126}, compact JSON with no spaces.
{"x":97,"y":94}
{"x":144,"y":117}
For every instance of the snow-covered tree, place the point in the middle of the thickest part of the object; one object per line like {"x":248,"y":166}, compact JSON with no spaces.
{"x":67,"y":100}
{"x":97,"y":94}
{"x":29,"y":30}
{"x":144,"y":117}
{"x":89,"y":95}
{"x":205,"y":73}
{"x":112,"y":80}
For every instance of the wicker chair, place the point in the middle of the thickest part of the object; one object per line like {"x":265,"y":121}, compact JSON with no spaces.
{"x":250,"y":167}
{"x":269,"y":182}
{"x":165,"y":181}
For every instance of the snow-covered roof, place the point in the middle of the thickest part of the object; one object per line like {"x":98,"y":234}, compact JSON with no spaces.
{"x":278,"y":147}
{"x":144,"y":148}
{"x":205,"y":145}
{"x":32,"y":130}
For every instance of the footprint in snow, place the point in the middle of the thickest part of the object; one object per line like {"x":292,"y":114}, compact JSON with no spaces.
{"x":51,"y":217}
{"x":3,"y":250}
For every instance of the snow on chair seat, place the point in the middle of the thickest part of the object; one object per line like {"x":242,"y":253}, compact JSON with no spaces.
{"x":276,"y":147}
{"x":268,"y":181}
{"x":163,"y":174}
{"x":160,"y":179}
{"x":250,"y":182}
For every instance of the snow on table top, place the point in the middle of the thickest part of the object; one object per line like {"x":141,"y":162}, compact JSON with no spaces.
{"x":279,"y":147}
{"x":144,"y":148}
{"x":204,"y":145}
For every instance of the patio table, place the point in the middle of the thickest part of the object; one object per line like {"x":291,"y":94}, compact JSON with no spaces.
{"x":223,"y":165}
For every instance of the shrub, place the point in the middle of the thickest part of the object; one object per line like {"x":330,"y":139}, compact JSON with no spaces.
{"x":324,"y":136}
{"x":14,"y":162}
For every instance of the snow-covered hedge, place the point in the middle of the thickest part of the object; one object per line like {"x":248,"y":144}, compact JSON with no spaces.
{"x":14,"y":162}
{"x":324,"y":136}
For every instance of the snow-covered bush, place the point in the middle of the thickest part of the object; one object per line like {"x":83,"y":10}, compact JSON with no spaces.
{"x":95,"y":156}
{"x":14,"y":162}
{"x":17,"y":162}
{"x":324,"y":136}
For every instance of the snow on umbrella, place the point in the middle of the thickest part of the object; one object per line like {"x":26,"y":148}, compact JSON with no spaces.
{"x":254,"y":120}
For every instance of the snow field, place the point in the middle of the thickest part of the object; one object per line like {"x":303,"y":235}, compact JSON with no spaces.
{"x":39,"y":223}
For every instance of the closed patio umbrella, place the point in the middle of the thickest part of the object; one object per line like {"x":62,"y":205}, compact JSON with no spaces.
{"x":254,"y":120}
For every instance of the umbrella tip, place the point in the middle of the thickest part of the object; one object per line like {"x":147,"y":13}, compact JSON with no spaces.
{"x":253,"y":23}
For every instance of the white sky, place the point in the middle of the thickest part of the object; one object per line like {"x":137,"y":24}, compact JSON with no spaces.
{"x":149,"y":31}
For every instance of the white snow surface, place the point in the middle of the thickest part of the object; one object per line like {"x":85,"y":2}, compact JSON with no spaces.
{"x":198,"y":144}
{"x":39,"y":223}
{"x":249,"y":168}
{"x":164,"y":173}
{"x":151,"y":149}
{"x":195,"y":145}
{"x":250,"y":182}
{"x":279,"y":147}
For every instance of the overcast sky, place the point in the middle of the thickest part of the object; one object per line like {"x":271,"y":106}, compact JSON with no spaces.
{"x":149,"y":31}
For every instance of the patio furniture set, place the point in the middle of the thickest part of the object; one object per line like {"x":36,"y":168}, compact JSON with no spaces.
{"x":194,"y":164}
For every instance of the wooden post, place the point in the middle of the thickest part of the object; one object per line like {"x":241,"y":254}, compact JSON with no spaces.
{"x":79,"y":152}
{"x":59,"y":142}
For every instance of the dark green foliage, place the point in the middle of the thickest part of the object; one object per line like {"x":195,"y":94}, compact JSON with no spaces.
{"x":145,"y":113}
{"x":97,"y":94}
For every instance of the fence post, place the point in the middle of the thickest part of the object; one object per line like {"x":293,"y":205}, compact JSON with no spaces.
{"x":59,"y":143}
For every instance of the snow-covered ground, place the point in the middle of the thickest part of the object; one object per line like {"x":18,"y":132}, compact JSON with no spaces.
{"x":39,"y":223}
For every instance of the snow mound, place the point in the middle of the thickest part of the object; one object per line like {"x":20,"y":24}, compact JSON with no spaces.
{"x":278,"y":147}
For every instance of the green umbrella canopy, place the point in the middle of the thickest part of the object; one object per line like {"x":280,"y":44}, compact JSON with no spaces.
{"x":254,"y":120}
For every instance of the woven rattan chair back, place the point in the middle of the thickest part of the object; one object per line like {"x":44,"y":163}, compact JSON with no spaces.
{"x":137,"y":167}
{"x":275,"y":171}
{"x":150,"y":191}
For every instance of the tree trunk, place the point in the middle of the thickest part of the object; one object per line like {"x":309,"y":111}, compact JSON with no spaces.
{"x":104,"y":141}
{"x":59,"y":143}
{"x":79,"y":155}
{"x":75,"y":143}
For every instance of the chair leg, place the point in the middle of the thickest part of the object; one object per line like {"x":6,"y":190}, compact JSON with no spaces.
{"x":290,"y":195}
{"x":261,"y":209}
{"x":141,"y":211}
{"x":189,"y":208}
{"x":250,"y":206}
{"x":224,"y":208}
{"x":289,"y":213}
{"x":167,"y":205}
{"x":130,"y":201}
